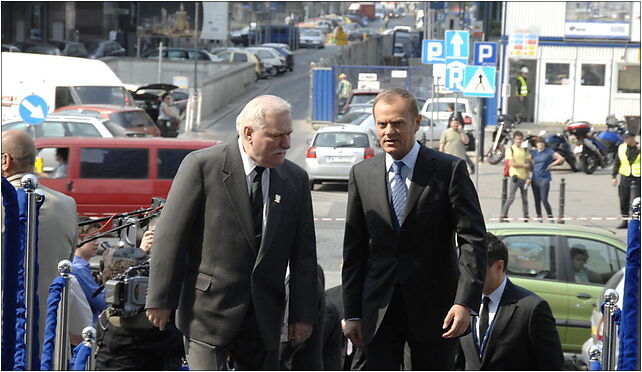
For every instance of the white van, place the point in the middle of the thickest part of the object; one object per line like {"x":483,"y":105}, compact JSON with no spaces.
{"x":60,"y":81}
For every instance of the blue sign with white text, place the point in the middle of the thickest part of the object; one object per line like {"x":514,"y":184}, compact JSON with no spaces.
{"x":457,"y":44}
{"x":455,"y":71}
{"x":33,"y":109}
{"x":485,"y":54}
{"x":432,"y":51}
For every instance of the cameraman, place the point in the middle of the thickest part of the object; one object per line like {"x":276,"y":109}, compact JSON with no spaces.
{"x":133,"y":343}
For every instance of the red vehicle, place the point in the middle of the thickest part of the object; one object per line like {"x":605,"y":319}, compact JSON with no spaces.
{"x":131,"y":118}
{"x":361,"y":98}
{"x":114,"y":175}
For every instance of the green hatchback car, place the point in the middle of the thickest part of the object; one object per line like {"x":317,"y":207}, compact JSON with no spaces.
{"x":567,"y":266}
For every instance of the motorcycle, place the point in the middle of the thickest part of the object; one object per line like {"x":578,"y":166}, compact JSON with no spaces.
{"x":590,"y":151}
{"x":612,"y":137}
{"x":560,"y":144}
{"x":501,"y":137}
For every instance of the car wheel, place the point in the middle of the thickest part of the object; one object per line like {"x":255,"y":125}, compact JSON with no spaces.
{"x":273,"y":72}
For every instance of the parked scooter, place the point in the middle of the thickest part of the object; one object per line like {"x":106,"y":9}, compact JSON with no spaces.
{"x":612,"y":137}
{"x":590,"y":151}
{"x":560,"y":144}
{"x":501,"y":138}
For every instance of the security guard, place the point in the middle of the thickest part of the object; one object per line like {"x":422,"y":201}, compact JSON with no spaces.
{"x":522,"y":93}
{"x":343,"y":91}
{"x":627,"y":164}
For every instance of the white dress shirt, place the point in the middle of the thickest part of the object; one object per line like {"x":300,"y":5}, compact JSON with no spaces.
{"x":493,"y":305}
{"x":406,"y":172}
{"x":250,"y":173}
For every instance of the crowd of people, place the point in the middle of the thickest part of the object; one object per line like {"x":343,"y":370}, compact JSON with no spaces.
{"x":233,"y":274}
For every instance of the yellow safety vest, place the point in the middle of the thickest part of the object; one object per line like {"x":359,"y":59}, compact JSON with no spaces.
{"x":523,"y":89}
{"x":344,"y":89}
{"x":626,"y":168}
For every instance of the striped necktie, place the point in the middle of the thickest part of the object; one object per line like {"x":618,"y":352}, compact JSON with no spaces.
{"x":399,"y":191}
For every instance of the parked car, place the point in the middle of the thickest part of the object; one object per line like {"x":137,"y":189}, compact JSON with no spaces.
{"x":539,"y":259}
{"x":285,"y":51}
{"x":70,"y":48}
{"x":131,"y":118}
{"x":271,"y":56}
{"x":361,"y":97}
{"x":335,"y":149}
{"x":311,"y":38}
{"x":10,"y":48}
{"x":104,"y":48}
{"x":115,"y":175}
{"x":240,"y":56}
{"x":245,"y":36}
{"x":38,"y":48}
{"x":64,"y":125}
{"x":182,"y":54}
{"x":439,"y":109}
{"x":148,"y":97}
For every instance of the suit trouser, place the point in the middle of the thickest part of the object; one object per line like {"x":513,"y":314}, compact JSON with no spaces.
{"x":513,"y":184}
{"x":246,"y":350}
{"x":386,"y":350}
{"x":629,"y":190}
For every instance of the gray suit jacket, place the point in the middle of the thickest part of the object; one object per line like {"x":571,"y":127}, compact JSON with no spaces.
{"x":421,"y":257}
{"x":205,"y":261}
{"x":57,"y":234}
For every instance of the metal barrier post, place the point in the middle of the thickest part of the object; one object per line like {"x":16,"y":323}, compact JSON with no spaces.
{"x":29,"y":184}
{"x":89,"y":337}
{"x":562,"y":200}
{"x":62,"y":328}
{"x":504,"y":192}
{"x":595,"y":354}
{"x":608,"y":357}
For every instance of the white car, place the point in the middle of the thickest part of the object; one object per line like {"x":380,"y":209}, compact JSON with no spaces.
{"x":441,"y":109}
{"x":311,"y":38}
{"x":335,"y":149}
{"x":64,"y":125}
{"x":270,"y":56}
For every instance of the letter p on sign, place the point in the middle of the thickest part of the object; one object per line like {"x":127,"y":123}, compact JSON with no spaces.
{"x":432,"y":51}
{"x":485,"y":54}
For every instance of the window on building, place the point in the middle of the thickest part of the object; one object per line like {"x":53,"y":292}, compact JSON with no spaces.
{"x":557,"y":73}
{"x":628,"y":78}
{"x":114,"y":163}
{"x":593,"y":74}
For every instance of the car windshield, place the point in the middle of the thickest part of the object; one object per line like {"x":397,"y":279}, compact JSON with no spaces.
{"x":341,"y":139}
{"x":354,"y":118}
{"x":131,"y":119}
{"x":363,"y":98}
{"x":311,"y":33}
{"x":103,"y":95}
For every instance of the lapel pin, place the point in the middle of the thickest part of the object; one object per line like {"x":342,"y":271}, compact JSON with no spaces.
{"x":277,"y":198}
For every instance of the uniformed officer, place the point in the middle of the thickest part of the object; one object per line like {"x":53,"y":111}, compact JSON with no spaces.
{"x":522,"y":93}
{"x":627,"y":165}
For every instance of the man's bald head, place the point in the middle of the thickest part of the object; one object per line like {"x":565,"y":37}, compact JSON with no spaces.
{"x":21,"y":150}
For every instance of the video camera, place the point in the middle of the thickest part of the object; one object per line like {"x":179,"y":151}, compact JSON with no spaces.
{"x":126,"y":292}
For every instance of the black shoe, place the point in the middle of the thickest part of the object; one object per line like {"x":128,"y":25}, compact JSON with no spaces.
{"x":623,"y":225}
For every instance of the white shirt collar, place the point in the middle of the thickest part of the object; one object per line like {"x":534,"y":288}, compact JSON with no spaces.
{"x":248,"y":163}
{"x":409,"y":160}
{"x":496,"y":295}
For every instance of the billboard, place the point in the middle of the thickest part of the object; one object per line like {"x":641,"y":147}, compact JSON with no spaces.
{"x":598,"y":20}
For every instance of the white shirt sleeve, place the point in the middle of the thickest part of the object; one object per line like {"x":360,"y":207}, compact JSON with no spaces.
{"x":80,"y":315}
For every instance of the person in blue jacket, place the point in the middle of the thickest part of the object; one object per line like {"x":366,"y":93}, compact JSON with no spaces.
{"x":82,"y":270}
{"x":543,"y":160}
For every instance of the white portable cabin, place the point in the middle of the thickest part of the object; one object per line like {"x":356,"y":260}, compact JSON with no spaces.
{"x":59,"y":80}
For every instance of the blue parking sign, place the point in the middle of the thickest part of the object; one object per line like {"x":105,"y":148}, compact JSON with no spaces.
{"x":455,"y":74}
{"x":485,"y":54}
{"x":432,"y":51}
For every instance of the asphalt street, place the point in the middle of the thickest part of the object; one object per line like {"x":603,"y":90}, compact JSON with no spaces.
{"x":587,"y":196}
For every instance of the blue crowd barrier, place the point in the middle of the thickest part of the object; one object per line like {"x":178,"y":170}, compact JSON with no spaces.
{"x":10,"y":261}
{"x":629,"y":358}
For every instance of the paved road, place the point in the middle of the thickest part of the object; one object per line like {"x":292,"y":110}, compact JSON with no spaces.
{"x":586,"y":195}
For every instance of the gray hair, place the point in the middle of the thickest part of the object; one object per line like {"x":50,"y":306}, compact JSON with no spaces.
{"x":253,"y":114}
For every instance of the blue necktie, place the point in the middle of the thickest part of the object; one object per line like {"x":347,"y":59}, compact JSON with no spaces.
{"x":399,"y":191}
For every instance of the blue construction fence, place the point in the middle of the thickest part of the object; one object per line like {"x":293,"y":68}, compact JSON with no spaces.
{"x":417,"y":79}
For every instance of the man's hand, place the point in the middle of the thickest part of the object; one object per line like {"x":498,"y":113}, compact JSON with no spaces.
{"x":146,"y":242}
{"x":158,"y":317}
{"x":528,"y":181}
{"x":614,"y":182}
{"x":352,"y":329}
{"x":459,"y":317}
{"x":299,"y":332}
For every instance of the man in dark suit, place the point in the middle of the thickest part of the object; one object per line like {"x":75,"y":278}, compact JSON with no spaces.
{"x":402,"y":278}
{"x":235,"y":216}
{"x":516,"y":329}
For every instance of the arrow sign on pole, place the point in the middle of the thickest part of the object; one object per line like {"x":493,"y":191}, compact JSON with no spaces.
{"x":33,"y":109}
{"x":457,"y":44}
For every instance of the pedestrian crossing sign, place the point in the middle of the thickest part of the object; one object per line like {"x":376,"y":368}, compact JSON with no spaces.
{"x":479,"y":81}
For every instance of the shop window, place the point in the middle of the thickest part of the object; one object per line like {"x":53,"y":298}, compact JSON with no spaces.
{"x":628,"y":79}
{"x":557,"y":73}
{"x":592,"y":74}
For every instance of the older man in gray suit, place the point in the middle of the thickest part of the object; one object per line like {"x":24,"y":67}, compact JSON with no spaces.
{"x":235,"y":216}
{"x":58,"y":223}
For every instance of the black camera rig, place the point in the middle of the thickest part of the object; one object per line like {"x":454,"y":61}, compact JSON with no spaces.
{"x":126,"y":292}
